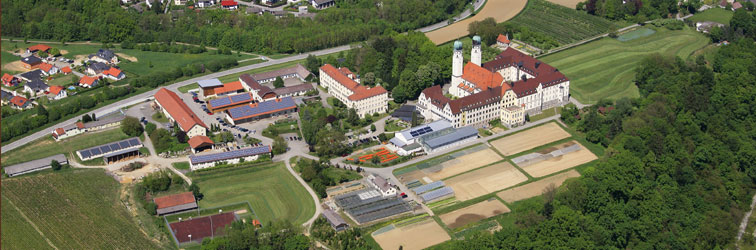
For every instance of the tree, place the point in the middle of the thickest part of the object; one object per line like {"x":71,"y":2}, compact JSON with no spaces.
{"x":54,"y":52}
{"x":41,"y":111}
{"x":279,"y":145}
{"x":86,"y":118}
{"x":151,"y":208}
{"x":55,"y":165}
{"x":131,"y":126}
{"x":196,"y":191}
{"x":312,"y":63}
{"x":278,"y":83}
{"x":149,"y":128}
{"x":42,"y":54}
{"x":226,"y":136}
{"x":372,"y":127}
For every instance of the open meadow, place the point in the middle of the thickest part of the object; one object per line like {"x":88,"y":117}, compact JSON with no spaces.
{"x":536,"y":188}
{"x":271,"y":190}
{"x":486,"y":180}
{"x":606,"y":68}
{"x":416,"y":236}
{"x":718,"y":15}
{"x":73,"y":209}
{"x":474,"y":213}
{"x":563,"y":24}
{"x":530,"y":138}
{"x":46,"y":146}
{"x":500,"y":10}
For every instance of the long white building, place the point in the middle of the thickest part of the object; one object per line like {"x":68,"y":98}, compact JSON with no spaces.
{"x":345,"y":86}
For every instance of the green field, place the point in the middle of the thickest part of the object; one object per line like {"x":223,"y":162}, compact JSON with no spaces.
{"x":6,"y":57}
{"x":46,"y":146}
{"x":74,"y":209}
{"x":606,"y":68}
{"x":718,"y":15}
{"x":181,"y":165}
{"x":271,"y":190}
{"x":563,"y":24}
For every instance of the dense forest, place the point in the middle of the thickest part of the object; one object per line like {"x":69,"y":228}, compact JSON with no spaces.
{"x":107,"y":21}
{"x":679,"y":171}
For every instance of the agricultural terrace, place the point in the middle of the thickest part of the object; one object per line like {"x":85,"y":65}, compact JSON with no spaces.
{"x":530,"y":138}
{"x":415,"y":236}
{"x":500,"y":10}
{"x":270,"y":189}
{"x":73,"y":209}
{"x":606,"y":68}
{"x":718,"y":15}
{"x":47,"y":146}
{"x":565,"y":25}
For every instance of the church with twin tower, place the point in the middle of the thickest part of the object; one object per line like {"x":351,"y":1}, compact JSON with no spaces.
{"x":508,"y":87}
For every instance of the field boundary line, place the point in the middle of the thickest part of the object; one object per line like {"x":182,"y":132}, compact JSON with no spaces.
{"x":31,"y":223}
{"x":478,"y":168}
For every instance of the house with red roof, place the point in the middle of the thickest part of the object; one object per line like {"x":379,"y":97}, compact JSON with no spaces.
{"x":66,"y":70}
{"x":502,"y":41}
{"x":10,"y":80}
{"x":114,"y":74}
{"x":175,"y":203}
{"x":37,"y":48}
{"x":229,"y":4}
{"x":58,"y":92}
{"x":48,"y":69}
{"x":736,"y":6}
{"x":345,"y":86}
{"x":88,"y":81}
{"x":20,"y":102}
{"x":176,"y":111}
{"x":200,"y":143}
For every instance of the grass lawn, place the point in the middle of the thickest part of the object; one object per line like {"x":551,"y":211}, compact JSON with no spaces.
{"x":718,"y":15}
{"x":62,"y":80}
{"x":46,"y":146}
{"x":606,"y":68}
{"x":281,"y":128}
{"x":7,"y":57}
{"x":235,"y":77}
{"x":73,"y":208}
{"x":391,"y":126}
{"x":186,"y":88}
{"x":271,"y":190}
{"x":159,"y":117}
{"x":546,"y":113}
{"x":181,"y":165}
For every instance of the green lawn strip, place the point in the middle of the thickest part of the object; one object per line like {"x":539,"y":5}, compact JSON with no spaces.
{"x":392,"y":126}
{"x":463,"y":204}
{"x":605,"y":68}
{"x":546,"y":113}
{"x":481,"y":167}
{"x":181,"y":165}
{"x":62,"y":80}
{"x":186,"y":88}
{"x":160,"y":117}
{"x":17,"y":232}
{"x":235,"y":77}
{"x":271,"y":191}
{"x":718,"y":15}
{"x":46,"y":146}
{"x":5,"y":58}
{"x":466,"y":230}
{"x":76,"y":209}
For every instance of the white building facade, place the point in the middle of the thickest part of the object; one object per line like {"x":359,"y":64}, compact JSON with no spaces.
{"x":345,"y":86}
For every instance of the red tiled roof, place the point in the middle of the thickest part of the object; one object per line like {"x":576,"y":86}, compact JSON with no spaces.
{"x":542,"y":73}
{"x":39,"y":47}
{"x":228,"y":3}
{"x":18,"y":101}
{"x":199,"y":141}
{"x":55,"y":89}
{"x":228,"y":87}
{"x":112,"y":71}
{"x":436,"y":96}
{"x":66,"y":69}
{"x":486,"y":97}
{"x":46,"y":67}
{"x":59,"y":131}
{"x":199,"y":228}
{"x":80,"y":125}
{"x":483,"y":78}
{"x":736,"y":6}
{"x":174,"y":200}
{"x":338,"y":75}
{"x":360,"y":92}
{"x":7,"y":77}
{"x":256,"y":86}
{"x":87,"y":80}
{"x":178,"y":109}
{"x":502,"y":39}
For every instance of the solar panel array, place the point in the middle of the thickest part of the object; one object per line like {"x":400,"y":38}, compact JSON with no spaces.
{"x":197,"y":159}
{"x":374,"y":208}
{"x":109,"y":148}
{"x":261,"y":108}
{"x":438,"y":193}
{"x":230,"y":100}
{"x":428,"y":187}
{"x":421,"y":131}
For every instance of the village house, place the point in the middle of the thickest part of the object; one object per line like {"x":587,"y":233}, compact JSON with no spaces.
{"x":31,"y":62}
{"x":58,"y":92}
{"x":48,"y":69}
{"x":97,"y":68}
{"x":104,"y":56}
{"x":229,"y":4}
{"x":38,"y":48}
{"x":322,"y":4}
{"x":31,"y":75}
{"x":20,"y":102}
{"x":66,"y":70}
{"x":10,"y":80}
{"x":88,"y":81}
{"x":36,"y":87}
{"x":114,"y":74}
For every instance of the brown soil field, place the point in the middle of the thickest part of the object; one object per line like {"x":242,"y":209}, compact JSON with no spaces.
{"x":79,"y":59}
{"x":127,"y":57}
{"x":559,"y":163}
{"x":500,"y":10}
{"x":485,"y":180}
{"x":15,"y":66}
{"x":463,"y":164}
{"x":530,"y":138}
{"x":535,"y":188}
{"x":474,"y":213}
{"x":413,"y":237}
{"x":566,"y":3}
{"x":63,"y":52}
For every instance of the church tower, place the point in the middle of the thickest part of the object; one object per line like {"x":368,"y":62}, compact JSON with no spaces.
{"x":457,"y":61}
{"x":476,"y":55}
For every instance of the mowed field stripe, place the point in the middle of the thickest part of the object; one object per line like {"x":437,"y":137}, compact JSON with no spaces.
{"x":31,"y":223}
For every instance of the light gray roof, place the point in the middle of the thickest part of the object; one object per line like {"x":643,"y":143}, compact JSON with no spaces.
{"x":293,"y":89}
{"x":208,"y":83}
{"x":381,"y":183}
{"x":177,"y":208}
{"x":298,"y":69}
{"x":334,"y":218}
{"x":434,"y":126}
{"x":456,"y":135}
{"x":35,"y":165}
{"x":106,"y":120}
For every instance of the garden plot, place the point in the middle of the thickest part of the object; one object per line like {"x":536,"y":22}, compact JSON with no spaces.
{"x":445,"y":166}
{"x":485,"y":180}
{"x":555,"y":159}
{"x":474,"y":213}
{"x":535,"y":188}
{"x":415,"y":236}
{"x":530,"y":138}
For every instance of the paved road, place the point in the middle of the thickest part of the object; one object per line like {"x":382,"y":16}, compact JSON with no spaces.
{"x":461,"y":16}
{"x":174,"y":87}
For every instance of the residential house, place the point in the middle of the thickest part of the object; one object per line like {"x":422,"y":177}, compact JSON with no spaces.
{"x":502,"y":41}
{"x":337,"y":223}
{"x":179,"y":2}
{"x":229,"y":4}
{"x":298,"y":71}
{"x":88,"y":81}
{"x":20,"y":102}
{"x":270,"y":2}
{"x":10,"y":81}
{"x":204,"y":3}
{"x":58,"y":92}
{"x":104,"y":56}
{"x":322,"y":4}
{"x":36,"y":87}
{"x":382,"y":185}
{"x":48,"y":69}
{"x":736,"y":6}
{"x":5,"y":96}
{"x":176,"y":111}
{"x":97,"y":68}
{"x":254,"y":10}
{"x":66,"y":70}
{"x":114,"y":74}
{"x":31,"y":75}
{"x":37,"y":48}
{"x":345,"y":86}
{"x":31,"y":62}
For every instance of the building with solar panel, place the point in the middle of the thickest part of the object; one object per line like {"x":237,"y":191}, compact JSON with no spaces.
{"x":176,"y":111}
{"x":228,"y":102}
{"x":112,"y":152}
{"x":405,"y":141}
{"x":229,"y":157}
{"x":261,"y":110}
{"x":447,"y":138}
{"x":368,"y":205}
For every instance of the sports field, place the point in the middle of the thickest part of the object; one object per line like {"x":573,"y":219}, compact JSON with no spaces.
{"x":416,"y":236}
{"x":535,"y":188}
{"x":500,"y":10}
{"x":606,"y":68}
{"x":271,"y":190}
{"x":718,"y":15}
{"x":530,"y":138}
{"x":474,"y":213}
{"x":73,"y":209}
{"x":561,"y":162}
{"x":485,"y":180}
{"x":46,"y":146}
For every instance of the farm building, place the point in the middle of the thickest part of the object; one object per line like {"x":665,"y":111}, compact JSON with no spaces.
{"x":228,"y":102}
{"x":295,"y":90}
{"x":35,"y":165}
{"x":68,"y":131}
{"x":208,"y":85}
{"x":197,"y":229}
{"x":260,"y":92}
{"x":256,"y":111}
{"x":79,"y":127}
{"x":337,"y":223}
{"x":368,"y":205}
{"x":382,"y":185}
{"x":221,"y":90}
{"x":37,"y":48}
{"x":175,"y":203}
{"x":229,"y":157}
{"x":345,"y":86}
{"x":112,"y":152}
{"x":447,"y":138}
{"x":200,"y":143}
{"x":405,"y":141}
{"x":298,"y":71}
{"x":176,"y":111}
